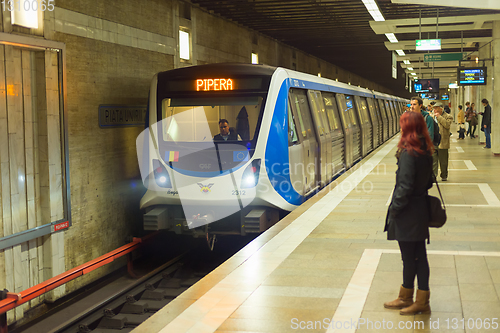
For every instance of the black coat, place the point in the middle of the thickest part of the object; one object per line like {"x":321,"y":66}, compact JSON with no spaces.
{"x":408,"y":213}
{"x":486,"y":116}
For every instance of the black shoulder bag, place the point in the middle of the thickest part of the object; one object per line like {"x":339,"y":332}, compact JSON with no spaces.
{"x":437,"y":212}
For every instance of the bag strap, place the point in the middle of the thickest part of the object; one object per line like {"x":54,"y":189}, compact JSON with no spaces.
{"x":435,"y":181}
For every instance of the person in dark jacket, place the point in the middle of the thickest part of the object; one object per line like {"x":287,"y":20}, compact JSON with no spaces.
{"x":226,"y":133}
{"x":408,"y":214}
{"x":486,"y":122}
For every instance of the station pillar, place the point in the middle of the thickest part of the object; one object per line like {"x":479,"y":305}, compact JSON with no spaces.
{"x":486,"y":91}
{"x":495,"y":100}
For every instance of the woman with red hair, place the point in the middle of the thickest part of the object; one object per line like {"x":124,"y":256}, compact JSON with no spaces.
{"x":408,"y":214}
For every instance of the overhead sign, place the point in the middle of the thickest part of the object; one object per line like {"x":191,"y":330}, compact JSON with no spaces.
{"x":430,"y":57}
{"x":472,"y":76}
{"x":428,"y":44}
{"x":121,"y":115}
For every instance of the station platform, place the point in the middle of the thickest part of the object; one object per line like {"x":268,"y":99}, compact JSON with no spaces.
{"x":328,"y":266}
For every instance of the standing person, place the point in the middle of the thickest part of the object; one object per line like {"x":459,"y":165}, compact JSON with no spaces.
{"x":417,"y":105}
{"x":467,"y":109}
{"x":444,"y":120}
{"x":486,"y":122}
{"x":473,"y":120}
{"x":461,"y":122}
{"x":408,"y":214}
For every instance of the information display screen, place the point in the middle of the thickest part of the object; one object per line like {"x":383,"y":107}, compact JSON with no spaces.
{"x":426,"y":85}
{"x":429,"y":96}
{"x":471,"y":76}
{"x":445,"y":97}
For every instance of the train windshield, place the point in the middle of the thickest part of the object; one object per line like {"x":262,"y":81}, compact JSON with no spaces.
{"x":197,"y":119}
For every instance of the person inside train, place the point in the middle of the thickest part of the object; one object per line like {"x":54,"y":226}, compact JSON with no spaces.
{"x":408,"y":215}
{"x":226,"y":133}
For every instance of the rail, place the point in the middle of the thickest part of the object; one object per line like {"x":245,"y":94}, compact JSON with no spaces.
{"x":13,"y":300}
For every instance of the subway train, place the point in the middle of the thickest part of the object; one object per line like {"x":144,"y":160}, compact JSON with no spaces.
{"x":290,"y":134}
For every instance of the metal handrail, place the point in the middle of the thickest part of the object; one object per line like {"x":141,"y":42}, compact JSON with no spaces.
{"x":12,"y":302}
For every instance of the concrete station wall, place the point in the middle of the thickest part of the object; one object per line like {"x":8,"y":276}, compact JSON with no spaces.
{"x":113,"y":48}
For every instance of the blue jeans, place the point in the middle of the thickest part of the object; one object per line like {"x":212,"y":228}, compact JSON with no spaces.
{"x":487,"y":132}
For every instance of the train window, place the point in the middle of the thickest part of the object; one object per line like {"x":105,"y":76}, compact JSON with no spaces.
{"x":343,"y":110}
{"x":317,"y":111}
{"x":364,"y":110}
{"x":350,"y":109}
{"x":372,"y":110}
{"x":331,"y":111}
{"x":300,"y":102}
{"x":382,"y":108}
{"x":292,"y":132}
{"x":197,"y":119}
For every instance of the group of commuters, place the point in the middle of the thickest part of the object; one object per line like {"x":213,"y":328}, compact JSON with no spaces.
{"x":470,"y":116}
{"x":407,"y":218}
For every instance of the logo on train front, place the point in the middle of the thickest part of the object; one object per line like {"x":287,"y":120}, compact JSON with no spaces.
{"x":205,"y":188}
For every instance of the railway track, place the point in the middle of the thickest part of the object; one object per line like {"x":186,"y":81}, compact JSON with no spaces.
{"x":123,"y":303}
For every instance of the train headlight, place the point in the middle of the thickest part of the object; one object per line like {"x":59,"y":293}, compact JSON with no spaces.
{"x":251,"y":175}
{"x":161,"y":175}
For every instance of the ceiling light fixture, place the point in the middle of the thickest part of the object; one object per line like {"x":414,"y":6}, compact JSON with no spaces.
{"x":406,"y":62}
{"x":409,"y":68}
{"x":373,"y":10}
{"x":391,"y":38}
{"x":400,"y":53}
{"x":413,"y":73}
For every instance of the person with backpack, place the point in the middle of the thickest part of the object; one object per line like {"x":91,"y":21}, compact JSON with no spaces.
{"x":444,"y":120}
{"x":417,"y":105}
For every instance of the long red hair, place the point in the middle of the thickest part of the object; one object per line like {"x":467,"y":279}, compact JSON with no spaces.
{"x":413,"y":128}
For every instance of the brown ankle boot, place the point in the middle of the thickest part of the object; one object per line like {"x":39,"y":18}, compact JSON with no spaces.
{"x":421,"y":304}
{"x":404,"y":299}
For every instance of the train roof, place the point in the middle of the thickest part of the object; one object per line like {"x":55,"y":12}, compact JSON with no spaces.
{"x":226,"y":69}
{"x":219,"y":68}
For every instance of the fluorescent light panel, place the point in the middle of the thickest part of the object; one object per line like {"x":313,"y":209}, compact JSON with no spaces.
{"x":255,"y":58}
{"x":400,"y":53}
{"x":406,"y":62}
{"x":373,"y":9}
{"x":184,"y":45}
{"x":409,"y":68}
{"x":413,"y":73}
{"x":391,"y":38}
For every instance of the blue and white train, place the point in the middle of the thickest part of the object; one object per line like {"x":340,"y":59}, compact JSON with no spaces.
{"x":295,"y":134}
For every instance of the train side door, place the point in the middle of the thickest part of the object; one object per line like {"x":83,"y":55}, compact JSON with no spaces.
{"x":322,"y":136}
{"x":356,"y":128}
{"x":336,"y":131}
{"x":348,"y":131}
{"x":374,"y":120}
{"x":300,"y":107}
{"x":366,"y":124}
{"x":295,"y":152}
{"x":385,"y":119}
{"x":380,"y":122}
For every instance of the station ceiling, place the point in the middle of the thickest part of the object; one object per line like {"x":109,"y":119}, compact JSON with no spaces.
{"x":340,"y":31}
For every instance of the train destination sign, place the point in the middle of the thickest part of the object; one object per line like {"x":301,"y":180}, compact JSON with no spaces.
{"x":471,"y":76}
{"x":121,"y":115}
{"x":444,"y":56}
{"x":214,"y":84}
